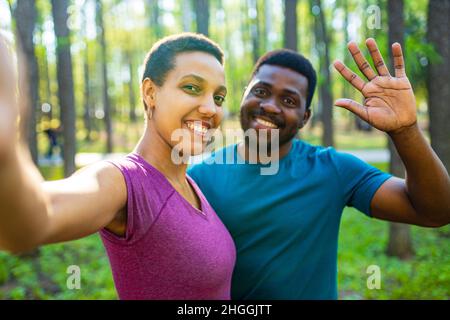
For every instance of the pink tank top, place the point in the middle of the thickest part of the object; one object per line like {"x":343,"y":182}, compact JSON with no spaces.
{"x":171,"y":250}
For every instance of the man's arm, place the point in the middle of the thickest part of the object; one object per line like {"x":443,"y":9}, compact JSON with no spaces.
{"x":424,"y":197}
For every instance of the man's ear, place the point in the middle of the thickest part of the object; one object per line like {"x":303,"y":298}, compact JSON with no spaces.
{"x":148,"y":89}
{"x":306,"y":117}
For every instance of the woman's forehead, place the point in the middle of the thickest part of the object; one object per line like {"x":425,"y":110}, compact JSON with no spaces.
{"x":202,"y":64}
{"x":7,"y":66}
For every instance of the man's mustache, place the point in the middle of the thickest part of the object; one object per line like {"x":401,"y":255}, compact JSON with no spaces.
{"x":275,"y":119}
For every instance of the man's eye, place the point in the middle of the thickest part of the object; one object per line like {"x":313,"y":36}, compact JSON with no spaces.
{"x":290,"y":102}
{"x":260,"y":92}
{"x":219,"y":100}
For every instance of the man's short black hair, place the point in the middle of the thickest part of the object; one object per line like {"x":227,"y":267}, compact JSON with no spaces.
{"x":161,"y":57}
{"x":292,"y":60}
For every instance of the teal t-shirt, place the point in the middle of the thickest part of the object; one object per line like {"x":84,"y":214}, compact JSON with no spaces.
{"x":285,"y":226}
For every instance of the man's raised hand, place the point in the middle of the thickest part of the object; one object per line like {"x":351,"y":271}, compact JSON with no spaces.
{"x":389,"y":102}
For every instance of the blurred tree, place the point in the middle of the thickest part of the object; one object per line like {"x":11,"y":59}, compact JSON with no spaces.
{"x":131,"y":94}
{"x":25,"y":16}
{"x":290,"y":24}
{"x":399,"y":243}
{"x":201,"y":8}
{"x":65,"y":83}
{"x":86,"y":71}
{"x":103,"y":60}
{"x":155,"y":25}
{"x":45,"y":91}
{"x":253,"y":21}
{"x":186,"y":15}
{"x":324,"y":79}
{"x":267,"y":25}
{"x":438,"y":80}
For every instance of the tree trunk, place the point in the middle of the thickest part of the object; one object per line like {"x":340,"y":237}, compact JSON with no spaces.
{"x":186,"y":15}
{"x":254,"y":30}
{"x":290,"y":24}
{"x":325,"y":95}
{"x":25,"y":15}
{"x":132,"y":98}
{"x":438,"y":34}
{"x":267,"y":25}
{"x":87,"y":96}
{"x":65,"y":83}
{"x":201,"y":8}
{"x":400,"y":243}
{"x":153,"y":12}
{"x":103,"y":59}
{"x":87,"y":89}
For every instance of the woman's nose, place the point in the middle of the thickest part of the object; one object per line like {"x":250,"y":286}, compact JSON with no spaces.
{"x":208,"y":107}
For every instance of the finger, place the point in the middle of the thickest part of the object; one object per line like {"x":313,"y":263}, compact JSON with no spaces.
{"x":353,"y":107}
{"x":399,"y":63}
{"x":377,"y":58}
{"x":349,"y":75}
{"x":361,"y":62}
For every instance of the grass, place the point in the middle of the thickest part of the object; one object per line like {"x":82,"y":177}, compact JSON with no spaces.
{"x":362,"y":243}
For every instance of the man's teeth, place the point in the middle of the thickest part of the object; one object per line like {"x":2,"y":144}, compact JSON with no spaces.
{"x":266,"y":123}
{"x":197,"y":128}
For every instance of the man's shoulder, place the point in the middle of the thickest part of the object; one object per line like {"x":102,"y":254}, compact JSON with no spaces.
{"x":326,"y":156}
{"x":209,"y":162}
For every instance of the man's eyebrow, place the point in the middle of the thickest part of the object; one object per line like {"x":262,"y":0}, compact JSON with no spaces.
{"x":289,"y":91}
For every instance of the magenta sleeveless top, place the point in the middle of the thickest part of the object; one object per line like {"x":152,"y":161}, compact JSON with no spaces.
{"x":171,"y":250}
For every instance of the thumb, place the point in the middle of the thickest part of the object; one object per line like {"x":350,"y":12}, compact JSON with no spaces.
{"x":353,"y":107}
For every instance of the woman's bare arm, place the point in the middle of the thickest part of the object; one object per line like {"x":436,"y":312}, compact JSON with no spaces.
{"x":34,"y":212}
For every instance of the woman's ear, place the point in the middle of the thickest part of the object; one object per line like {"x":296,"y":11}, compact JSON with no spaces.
{"x":148,"y":89}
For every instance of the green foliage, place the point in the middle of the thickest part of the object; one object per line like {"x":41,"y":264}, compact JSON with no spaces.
{"x":363,"y":242}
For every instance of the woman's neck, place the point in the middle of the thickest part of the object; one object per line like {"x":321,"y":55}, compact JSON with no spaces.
{"x":156,"y":151}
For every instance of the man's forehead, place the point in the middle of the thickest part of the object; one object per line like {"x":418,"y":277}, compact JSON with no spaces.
{"x":280,"y":76}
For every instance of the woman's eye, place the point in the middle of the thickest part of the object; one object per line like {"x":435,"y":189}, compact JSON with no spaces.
{"x":219,"y":100}
{"x":192,"y":89}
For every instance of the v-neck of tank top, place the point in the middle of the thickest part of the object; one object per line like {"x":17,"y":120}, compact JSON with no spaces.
{"x":197,"y":192}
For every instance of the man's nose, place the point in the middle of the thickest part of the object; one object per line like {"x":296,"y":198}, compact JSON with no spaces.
{"x":270,"y":106}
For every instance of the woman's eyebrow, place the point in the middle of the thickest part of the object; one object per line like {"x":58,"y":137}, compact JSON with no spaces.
{"x":201,"y":80}
{"x":196,"y":77}
{"x":222,"y":88}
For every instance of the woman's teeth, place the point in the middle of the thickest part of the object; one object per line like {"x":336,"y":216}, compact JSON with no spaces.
{"x":266,"y":123}
{"x":197,"y":128}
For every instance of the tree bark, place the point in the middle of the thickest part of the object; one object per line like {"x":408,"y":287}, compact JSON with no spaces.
{"x":103,"y":59}
{"x":399,"y":243}
{"x":87,"y":85}
{"x":25,"y":15}
{"x":65,"y":83}
{"x":290,"y":24}
{"x":325,"y":95}
{"x":438,"y":34}
{"x":201,"y":8}
{"x":132,"y":98}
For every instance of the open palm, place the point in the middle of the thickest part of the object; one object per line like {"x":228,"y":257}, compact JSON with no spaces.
{"x":389,"y":103}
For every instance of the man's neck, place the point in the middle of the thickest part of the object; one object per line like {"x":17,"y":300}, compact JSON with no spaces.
{"x":247,"y":153}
